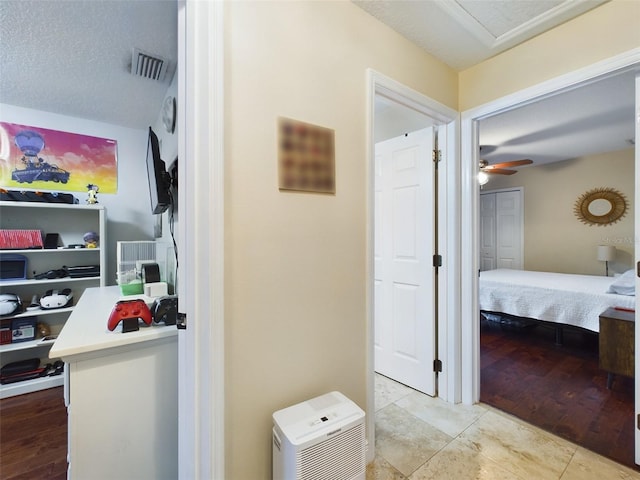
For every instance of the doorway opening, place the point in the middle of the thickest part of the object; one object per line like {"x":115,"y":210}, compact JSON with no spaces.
{"x":405,"y":229}
{"x":471,"y":132}
{"x":407,"y":112}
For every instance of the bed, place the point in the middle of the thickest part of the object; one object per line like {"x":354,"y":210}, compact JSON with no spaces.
{"x":559,"y":298}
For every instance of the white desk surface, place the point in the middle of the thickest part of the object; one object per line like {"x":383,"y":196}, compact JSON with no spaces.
{"x":85,"y":331}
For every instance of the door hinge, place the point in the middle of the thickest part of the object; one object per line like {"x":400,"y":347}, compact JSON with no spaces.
{"x":437,"y":261}
{"x":638,"y":422}
{"x":437,"y":365}
{"x":181,"y":321}
{"x":437,"y":155}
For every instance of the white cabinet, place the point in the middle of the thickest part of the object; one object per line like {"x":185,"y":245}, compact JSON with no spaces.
{"x":122,"y":394}
{"x":71,"y":222}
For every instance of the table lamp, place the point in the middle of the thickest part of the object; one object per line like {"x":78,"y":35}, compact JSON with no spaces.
{"x":606,"y":253}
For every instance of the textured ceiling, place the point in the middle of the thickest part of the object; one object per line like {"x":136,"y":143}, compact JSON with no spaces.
{"x":462,"y":33}
{"x":500,"y":18}
{"x":73,"y":57}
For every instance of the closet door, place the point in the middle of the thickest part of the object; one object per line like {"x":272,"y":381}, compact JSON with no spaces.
{"x":501,"y":230}
{"x":488,"y":231}
{"x":509,"y":228}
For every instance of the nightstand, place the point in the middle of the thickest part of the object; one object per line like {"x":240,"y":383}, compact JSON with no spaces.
{"x":616,"y":343}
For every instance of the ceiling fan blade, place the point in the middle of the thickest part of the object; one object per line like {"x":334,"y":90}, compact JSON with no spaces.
{"x":486,"y":149}
{"x":499,"y":171}
{"x":513,"y":163}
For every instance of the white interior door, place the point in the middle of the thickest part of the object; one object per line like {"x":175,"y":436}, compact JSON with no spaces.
{"x":487,"y":231}
{"x":404,"y":281}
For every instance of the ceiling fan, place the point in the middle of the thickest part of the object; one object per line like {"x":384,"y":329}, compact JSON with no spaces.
{"x":499,"y":169}
{"x":502,"y":168}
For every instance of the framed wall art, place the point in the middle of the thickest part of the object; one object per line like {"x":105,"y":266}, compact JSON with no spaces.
{"x":42,"y":159}
{"x":306,"y":157}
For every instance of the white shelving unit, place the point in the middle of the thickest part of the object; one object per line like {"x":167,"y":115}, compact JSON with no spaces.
{"x":71,"y":222}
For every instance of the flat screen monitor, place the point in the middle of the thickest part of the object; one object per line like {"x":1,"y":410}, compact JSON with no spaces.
{"x":159,"y":179}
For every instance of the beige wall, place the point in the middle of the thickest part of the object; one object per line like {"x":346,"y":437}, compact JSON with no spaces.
{"x":295,"y":271}
{"x":295,"y":318}
{"x":554,"y":239}
{"x":599,"y":34}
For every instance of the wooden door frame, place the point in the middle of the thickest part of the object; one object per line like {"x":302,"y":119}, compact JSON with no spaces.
{"x":448,"y":332}
{"x":470,"y":199}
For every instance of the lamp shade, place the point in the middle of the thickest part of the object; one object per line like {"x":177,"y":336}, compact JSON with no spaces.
{"x":606,"y":253}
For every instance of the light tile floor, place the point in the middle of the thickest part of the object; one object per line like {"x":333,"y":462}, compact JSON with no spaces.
{"x":420,"y":438}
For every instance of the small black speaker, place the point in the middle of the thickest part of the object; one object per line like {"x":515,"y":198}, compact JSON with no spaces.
{"x":150,"y":273}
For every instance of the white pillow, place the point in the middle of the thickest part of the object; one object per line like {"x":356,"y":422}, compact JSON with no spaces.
{"x":625,"y":284}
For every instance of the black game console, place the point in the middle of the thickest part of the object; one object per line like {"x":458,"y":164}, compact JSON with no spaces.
{"x":83,"y":271}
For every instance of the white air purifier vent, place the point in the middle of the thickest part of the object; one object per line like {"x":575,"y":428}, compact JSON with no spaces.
{"x":320,"y":439}
{"x":338,"y":458}
{"x":149,"y":66}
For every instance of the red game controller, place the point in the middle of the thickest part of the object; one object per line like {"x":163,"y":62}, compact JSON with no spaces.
{"x":129,"y":310}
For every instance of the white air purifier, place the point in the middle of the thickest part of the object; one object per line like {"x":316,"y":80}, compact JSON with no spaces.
{"x":320,"y":439}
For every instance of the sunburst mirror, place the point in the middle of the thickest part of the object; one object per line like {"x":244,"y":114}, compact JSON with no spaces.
{"x":600,"y":206}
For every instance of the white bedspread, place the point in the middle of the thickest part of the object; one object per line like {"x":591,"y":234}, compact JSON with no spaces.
{"x":554,"y":297}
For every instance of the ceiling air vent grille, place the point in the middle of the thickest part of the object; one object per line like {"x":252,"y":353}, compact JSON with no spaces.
{"x":149,"y":66}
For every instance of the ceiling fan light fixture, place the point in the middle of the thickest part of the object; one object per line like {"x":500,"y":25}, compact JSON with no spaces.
{"x":483,"y":177}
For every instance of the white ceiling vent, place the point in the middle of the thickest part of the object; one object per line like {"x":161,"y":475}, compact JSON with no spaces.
{"x":149,"y":66}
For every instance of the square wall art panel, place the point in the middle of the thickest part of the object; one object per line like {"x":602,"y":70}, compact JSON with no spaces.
{"x":306,"y":157}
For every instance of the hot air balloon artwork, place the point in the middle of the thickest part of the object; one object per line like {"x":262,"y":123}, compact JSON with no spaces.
{"x":50,"y":160}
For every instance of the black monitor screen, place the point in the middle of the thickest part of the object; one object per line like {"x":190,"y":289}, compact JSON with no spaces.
{"x":159,"y":181}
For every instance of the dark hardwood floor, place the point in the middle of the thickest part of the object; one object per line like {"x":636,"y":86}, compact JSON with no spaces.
{"x":558,"y":388}
{"x":33,"y":436}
